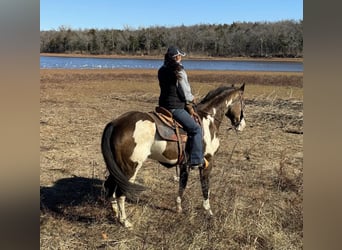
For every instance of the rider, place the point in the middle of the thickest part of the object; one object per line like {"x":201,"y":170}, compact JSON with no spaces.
{"x":176,"y":96}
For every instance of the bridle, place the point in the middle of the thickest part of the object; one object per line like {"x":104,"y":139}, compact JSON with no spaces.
{"x":219,"y":121}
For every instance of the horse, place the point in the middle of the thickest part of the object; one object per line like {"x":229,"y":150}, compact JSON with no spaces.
{"x":130,"y":139}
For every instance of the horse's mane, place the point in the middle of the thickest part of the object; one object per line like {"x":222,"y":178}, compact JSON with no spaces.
{"x":216,"y":92}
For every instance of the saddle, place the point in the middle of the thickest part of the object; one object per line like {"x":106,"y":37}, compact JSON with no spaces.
{"x":168,"y":128}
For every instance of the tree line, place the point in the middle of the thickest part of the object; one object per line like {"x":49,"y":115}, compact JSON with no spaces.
{"x":241,"y":39}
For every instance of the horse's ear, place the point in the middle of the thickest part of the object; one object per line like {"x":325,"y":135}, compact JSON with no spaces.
{"x":242,"y":88}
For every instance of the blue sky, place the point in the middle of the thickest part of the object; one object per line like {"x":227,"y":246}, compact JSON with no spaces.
{"x":112,"y":14}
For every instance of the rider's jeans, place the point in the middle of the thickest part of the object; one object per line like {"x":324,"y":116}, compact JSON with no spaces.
{"x":194,"y":132}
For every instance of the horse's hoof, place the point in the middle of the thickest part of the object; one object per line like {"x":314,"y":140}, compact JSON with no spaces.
{"x":126,"y":224}
{"x":210,"y":213}
{"x":179,"y":205}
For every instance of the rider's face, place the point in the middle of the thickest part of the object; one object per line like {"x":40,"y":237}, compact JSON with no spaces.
{"x":178,"y":58}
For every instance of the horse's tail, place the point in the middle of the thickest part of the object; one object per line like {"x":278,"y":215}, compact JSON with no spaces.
{"x":121,"y":180}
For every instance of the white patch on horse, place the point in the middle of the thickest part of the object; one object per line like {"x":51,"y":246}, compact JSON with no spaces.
{"x":179,"y":204}
{"x":132,"y":179}
{"x":228,"y":102}
{"x":157,"y":150}
{"x":212,"y":144}
{"x":143,"y":137}
{"x":211,"y":117}
{"x":242,"y":125}
{"x":206,"y":204}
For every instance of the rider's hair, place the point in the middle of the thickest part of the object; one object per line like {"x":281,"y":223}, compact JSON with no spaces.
{"x":171,"y":63}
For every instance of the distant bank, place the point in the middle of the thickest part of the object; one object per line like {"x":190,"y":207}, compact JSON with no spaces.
{"x":270,"y":59}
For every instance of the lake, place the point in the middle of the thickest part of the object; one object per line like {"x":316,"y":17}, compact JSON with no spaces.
{"x":51,"y":62}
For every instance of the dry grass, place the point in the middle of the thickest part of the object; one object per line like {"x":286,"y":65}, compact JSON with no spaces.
{"x":256,"y":184}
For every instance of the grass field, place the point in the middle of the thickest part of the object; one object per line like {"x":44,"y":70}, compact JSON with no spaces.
{"x":256,"y":183}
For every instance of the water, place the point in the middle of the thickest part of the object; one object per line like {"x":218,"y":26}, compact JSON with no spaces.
{"x":50,"y":62}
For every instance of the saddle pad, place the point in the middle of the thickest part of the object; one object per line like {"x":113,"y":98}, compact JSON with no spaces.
{"x":167,"y":130}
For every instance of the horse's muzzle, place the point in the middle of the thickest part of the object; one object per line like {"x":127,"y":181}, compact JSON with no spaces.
{"x":241,"y":125}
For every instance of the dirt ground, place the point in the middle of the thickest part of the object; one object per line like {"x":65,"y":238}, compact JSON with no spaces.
{"x":256,"y":183}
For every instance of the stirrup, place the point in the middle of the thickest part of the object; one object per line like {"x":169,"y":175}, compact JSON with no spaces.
{"x":203,"y":165}
{"x":206,"y":163}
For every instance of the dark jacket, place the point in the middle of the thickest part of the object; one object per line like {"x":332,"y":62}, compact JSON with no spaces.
{"x":171,"y":93}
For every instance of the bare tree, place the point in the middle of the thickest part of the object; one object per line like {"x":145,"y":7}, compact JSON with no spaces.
{"x":252,"y":39}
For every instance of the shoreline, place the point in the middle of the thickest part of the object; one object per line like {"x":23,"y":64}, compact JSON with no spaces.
{"x":273,"y":59}
{"x":207,"y":77}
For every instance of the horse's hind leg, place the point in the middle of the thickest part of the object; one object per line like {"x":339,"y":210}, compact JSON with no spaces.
{"x":120,"y":205}
{"x":110,"y":192}
{"x":117,"y":202}
{"x":122,"y":212}
{"x":183,"y":180}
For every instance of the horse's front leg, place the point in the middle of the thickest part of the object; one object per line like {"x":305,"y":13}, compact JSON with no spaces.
{"x":183,"y":180}
{"x":204,"y":177}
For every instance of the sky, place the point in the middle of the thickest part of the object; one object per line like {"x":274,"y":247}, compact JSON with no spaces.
{"x":135,"y":14}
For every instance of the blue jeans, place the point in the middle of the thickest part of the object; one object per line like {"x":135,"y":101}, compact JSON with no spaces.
{"x":194,"y":132}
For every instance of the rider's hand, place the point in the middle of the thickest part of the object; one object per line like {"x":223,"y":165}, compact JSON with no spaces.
{"x":190,"y":109}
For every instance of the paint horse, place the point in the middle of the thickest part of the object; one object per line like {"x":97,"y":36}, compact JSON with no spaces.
{"x":133,"y":137}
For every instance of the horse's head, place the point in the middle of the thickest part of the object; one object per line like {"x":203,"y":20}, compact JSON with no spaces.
{"x":225,"y":100}
{"x":235,"y":106}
